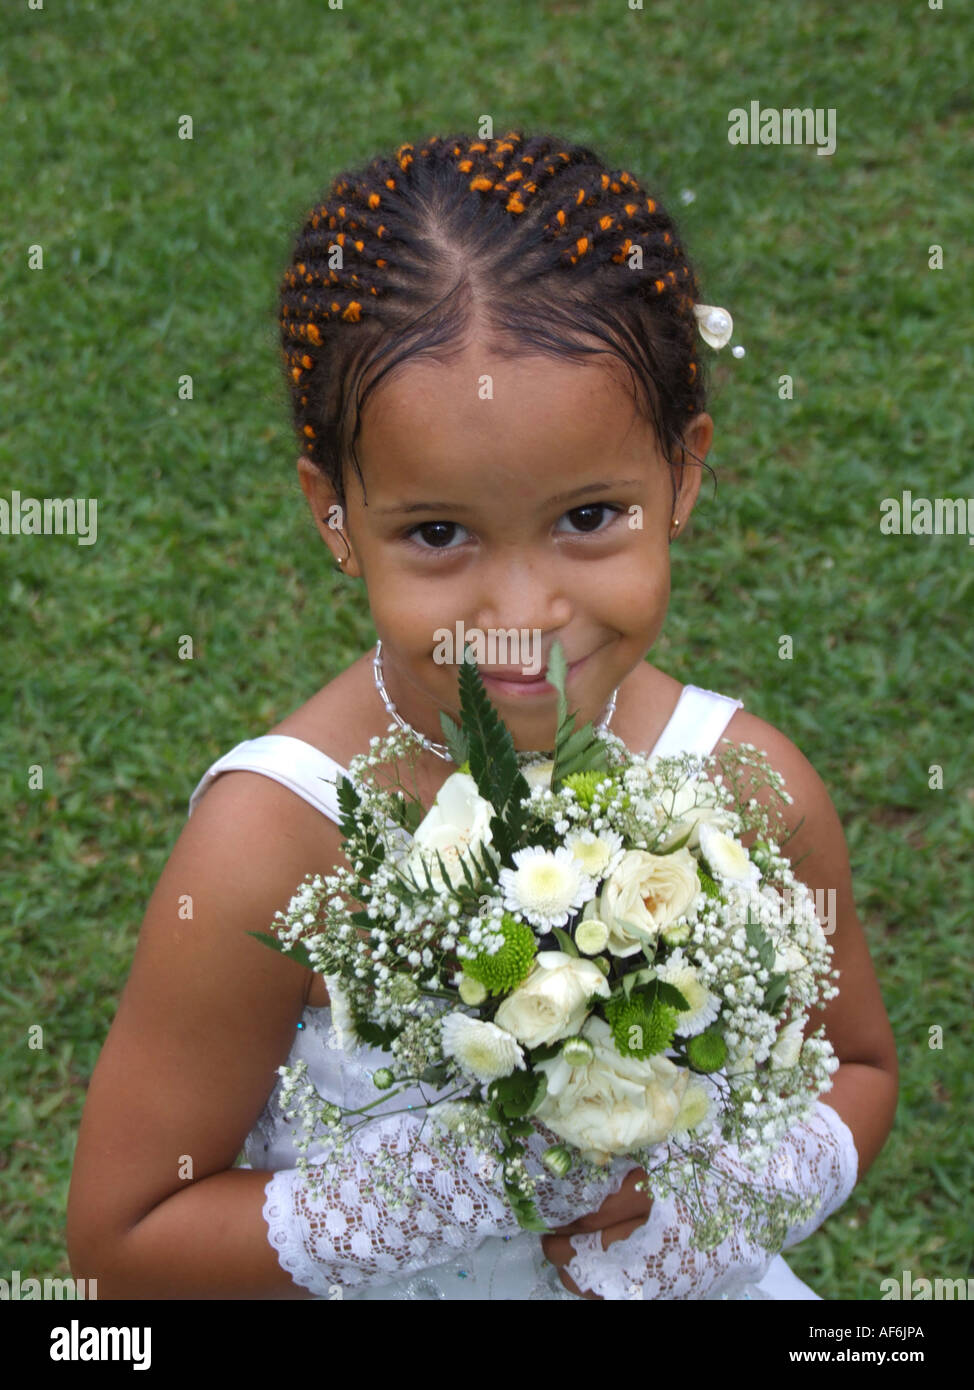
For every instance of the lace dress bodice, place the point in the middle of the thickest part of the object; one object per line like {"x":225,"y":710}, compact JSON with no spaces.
{"x":405,"y":1256}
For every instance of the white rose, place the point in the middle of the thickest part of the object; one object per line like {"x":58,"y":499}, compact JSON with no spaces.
{"x":680,"y":804}
{"x":644,"y":895}
{"x":459,"y":819}
{"x":614,"y":1104}
{"x":727,"y":857}
{"x":552,"y":1002}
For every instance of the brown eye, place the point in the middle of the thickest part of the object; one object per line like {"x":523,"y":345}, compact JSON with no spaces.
{"x":434,"y":535}
{"x":590,"y":517}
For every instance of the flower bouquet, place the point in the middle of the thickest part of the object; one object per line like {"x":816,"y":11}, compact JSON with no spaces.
{"x":578,"y":946}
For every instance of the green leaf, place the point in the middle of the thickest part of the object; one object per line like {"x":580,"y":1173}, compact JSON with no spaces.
{"x":492,"y":758}
{"x":348,"y":800}
{"x":471,"y":884}
{"x":519,"y":1094}
{"x":758,"y":938}
{"x":669,"y":994}
{"x":298,"y":951}
{"x":435,"y":1074}
{"x":775,"y":992}
{"x":448,"y":881}
{"x":455,"y":739}
{"x":521,"y":1128}
{"x":557,"y":674}
{"x":565,"y":941}
{"x":375,"y":1034}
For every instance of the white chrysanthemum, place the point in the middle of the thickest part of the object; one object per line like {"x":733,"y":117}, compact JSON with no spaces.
{"x":727,"y":857}
{"x":547,"y":886}
{"x":595,"y":853}
{"x":704,"y":1006}
{"x":482,"y":1049}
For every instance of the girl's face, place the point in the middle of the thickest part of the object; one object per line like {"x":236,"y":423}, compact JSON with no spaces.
{"x":506,"y":494}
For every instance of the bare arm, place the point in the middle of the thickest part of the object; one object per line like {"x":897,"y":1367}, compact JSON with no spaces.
{"x":865,"y":1088}
{"x":208,"y":1014}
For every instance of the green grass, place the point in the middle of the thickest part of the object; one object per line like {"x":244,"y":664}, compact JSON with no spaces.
{"x":161,"y":258}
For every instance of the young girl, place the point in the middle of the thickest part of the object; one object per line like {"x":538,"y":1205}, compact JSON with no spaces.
{"x":502,"y":337}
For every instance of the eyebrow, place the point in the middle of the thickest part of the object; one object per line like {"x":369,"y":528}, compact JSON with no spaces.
{"x":562,"y":497}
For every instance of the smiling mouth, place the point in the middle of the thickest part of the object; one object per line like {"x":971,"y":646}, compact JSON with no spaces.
{"x":512,"y":677}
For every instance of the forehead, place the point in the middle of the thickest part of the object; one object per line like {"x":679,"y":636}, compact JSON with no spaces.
{"x":482,"y":416}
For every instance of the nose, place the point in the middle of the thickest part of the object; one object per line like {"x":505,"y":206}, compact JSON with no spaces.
{"x":523,"y":592}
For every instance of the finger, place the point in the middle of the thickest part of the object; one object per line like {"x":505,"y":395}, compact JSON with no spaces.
{"x":622,"y":1206}
{"x":560,"y":1250}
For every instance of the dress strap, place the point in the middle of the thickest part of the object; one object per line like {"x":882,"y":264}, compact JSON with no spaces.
{"x":695,"y":726}
{"x":698,"y":721}
{"x":292,"y":762}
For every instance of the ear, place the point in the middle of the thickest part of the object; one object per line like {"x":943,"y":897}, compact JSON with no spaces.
{"x":329,"y":515}
{"x":688,"y":470}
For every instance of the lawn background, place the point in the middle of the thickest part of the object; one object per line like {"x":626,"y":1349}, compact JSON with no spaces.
{"x":162,"y":257}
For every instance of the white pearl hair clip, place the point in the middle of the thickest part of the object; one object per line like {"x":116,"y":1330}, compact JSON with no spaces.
{"x":716,"y":327}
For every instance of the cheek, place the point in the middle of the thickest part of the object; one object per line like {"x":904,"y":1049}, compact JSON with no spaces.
{"x":640,"y":589}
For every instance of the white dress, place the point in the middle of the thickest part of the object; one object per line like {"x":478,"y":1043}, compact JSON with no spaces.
{"x":505,"y":1267}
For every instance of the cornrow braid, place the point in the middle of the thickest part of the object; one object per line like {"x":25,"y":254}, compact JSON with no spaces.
{"x":522,"y":236}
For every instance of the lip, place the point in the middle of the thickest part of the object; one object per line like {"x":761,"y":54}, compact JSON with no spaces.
{"x":526,"y":687}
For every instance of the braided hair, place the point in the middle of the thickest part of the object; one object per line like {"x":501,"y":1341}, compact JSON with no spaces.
{"x":528,"y":234}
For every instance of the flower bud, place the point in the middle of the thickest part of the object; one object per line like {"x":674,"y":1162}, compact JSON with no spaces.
{"x":472,"y":991}
{"x":591,"y":935}
{"x":383,"y":1079}
{"x":404,"y":989}
{"x":676,"y":933}
{"x":577,"y":1051}
{"x":557,"y":1159}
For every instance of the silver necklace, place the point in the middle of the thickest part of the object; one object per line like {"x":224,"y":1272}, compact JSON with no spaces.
{"x":440,"y":749}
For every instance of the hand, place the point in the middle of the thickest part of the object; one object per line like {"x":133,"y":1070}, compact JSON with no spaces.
{"x":618,"y":1216}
